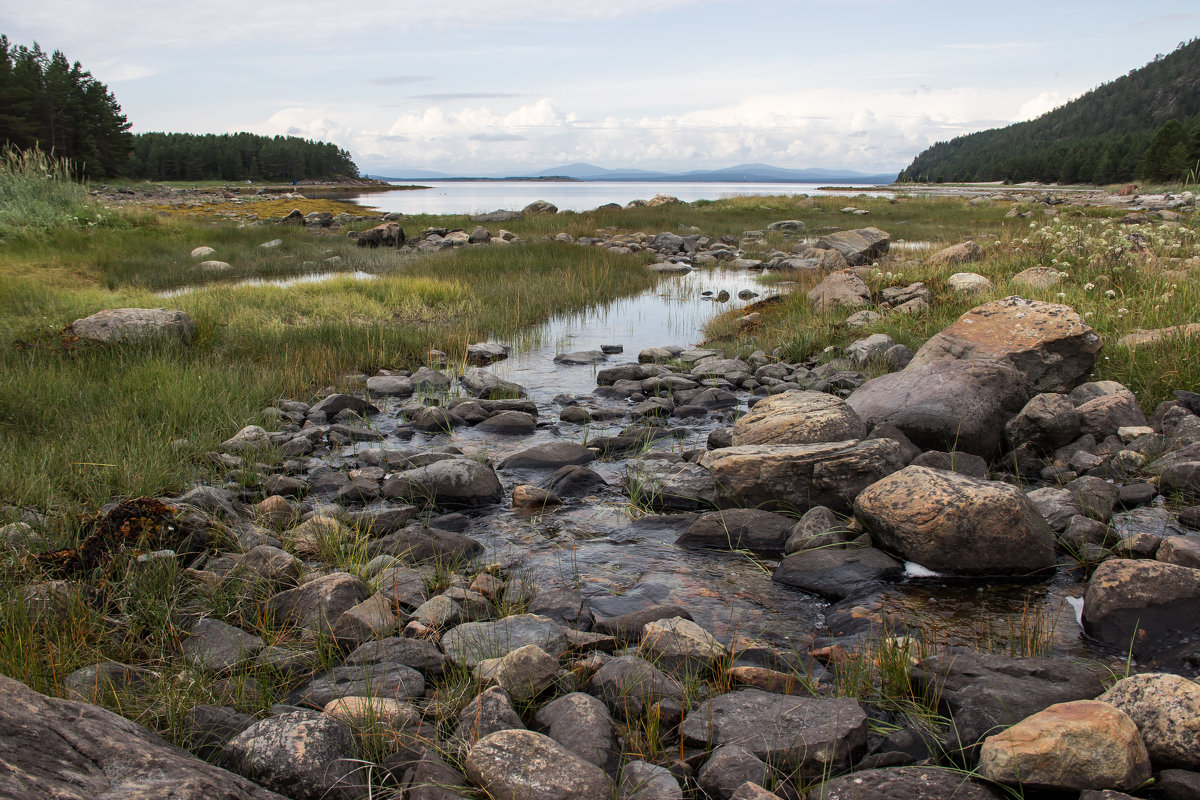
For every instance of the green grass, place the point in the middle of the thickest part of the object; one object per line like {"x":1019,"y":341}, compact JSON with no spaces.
{"x":37,"y":195}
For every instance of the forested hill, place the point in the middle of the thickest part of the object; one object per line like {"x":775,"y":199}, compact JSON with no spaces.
{"x":1143,"y":125}
{"x":235,"y":157}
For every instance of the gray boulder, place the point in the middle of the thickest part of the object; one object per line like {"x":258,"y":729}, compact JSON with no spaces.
{"x":524,"y":765}
{"x":309,"y":756}
{"x":118,"y":325}
{"x":858,"y":246}
{"x":457,"y":482}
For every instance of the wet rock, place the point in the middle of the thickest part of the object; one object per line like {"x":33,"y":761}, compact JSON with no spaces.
{"x":551,"y":455}
{"x":858,"y":246}
{"x":985,"y":693}
{"x":630,"y":685}
{"x":1083,"y":744}
{"x":1048,"y":343}
{"x":628,"y":627}
{"x":523,"y":765}
{"x":335,"y":404}
{"x":127,"y":325}
{"x":670,"y":484}
{"x":798,"y":418}
{"x":796,"y":477}
{"x":1146,"y":607}
{"x":818,"y":528}
{"x":430,"y":380}
{"x":581,"y":723}
{"x":574,"y":481}
{"x":904,"y":783}
{"x":472,"y":642}
{"x":809,"y":735}
{"x":457,"y":482}
{"x":484,"y":353}
{"x":836,"y":574}
{"x":389,"y":386}
{"x":74,"y":751}
{"x":937,"y":518}
{"x":309,"y":756}
{"x":526,"y":496}
{"x":481,"y":383}
{"x":738,"y":529}
{"x":317,"y":605}
{"x":946,"y":404}
{"x":581,"y":357}
{"x":508,"y":423}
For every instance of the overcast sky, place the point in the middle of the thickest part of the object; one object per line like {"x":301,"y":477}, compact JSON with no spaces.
{"x":481,"y":86}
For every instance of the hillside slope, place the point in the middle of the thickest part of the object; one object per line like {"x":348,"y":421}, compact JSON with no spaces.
{"x":1145,"y":124}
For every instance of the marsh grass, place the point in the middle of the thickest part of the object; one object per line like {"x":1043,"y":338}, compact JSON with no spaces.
{"x":38,"y":194}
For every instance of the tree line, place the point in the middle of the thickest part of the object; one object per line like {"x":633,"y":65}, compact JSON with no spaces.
{"x":1142,"y":126}
{"x":235,"y":157}
{"x":51,"y":104}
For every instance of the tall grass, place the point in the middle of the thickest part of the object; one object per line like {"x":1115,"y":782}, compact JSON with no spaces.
{"x":37,"y":194}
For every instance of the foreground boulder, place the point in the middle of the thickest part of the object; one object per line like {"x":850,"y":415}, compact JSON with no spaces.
{"x":114,"y":325}
{"x":946,"y":404}
{"x":389,"y":234}
{"x":1048,"y":343}
{"x":1148,"y":607}
{"x":798,"y":477}
{"x":1084,"y":744}
{"x":455,"y":482}
{"x":952,"y":523}
{"x":75,"y":751}
{"x":904,"y":783}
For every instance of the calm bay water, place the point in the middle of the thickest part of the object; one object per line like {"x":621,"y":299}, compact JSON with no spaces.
{"x":477,"y":197}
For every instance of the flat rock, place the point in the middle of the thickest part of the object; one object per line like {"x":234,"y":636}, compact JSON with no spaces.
{"x":75,"y":751}
{"x":797,"y":477}
{"x":550,"y":455}
{"x":858,"y":246}
{"x":836,"y":574}
{"x":904,"y":783}
{"x":455,"y":483}
{"x":738,"y":529}
{"x":810,"y":735}
{"x":670,"y":485}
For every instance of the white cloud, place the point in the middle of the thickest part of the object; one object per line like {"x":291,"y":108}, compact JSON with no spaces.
{"x":1036,"y":106}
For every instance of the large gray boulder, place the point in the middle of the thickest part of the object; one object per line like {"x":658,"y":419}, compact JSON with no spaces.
{"x":809,"y":735}
{"x":116,"y":325}
{"x":69,"y":750}
{"x":1166,"y":710}
{"x":956,"y":524}
{"x":798,"y":418}
{"x":946,"y":404}
{"x":1048,"y":343}
{"x":456,"y":482}
{"x":841,"y":288}
{"x":797,"y":477}
{"x":858,"y":246}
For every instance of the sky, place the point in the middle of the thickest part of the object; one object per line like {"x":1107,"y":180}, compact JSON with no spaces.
{"x":479,"y":87}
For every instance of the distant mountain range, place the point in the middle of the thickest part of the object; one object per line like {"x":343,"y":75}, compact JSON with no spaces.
{"x":742,"y":173}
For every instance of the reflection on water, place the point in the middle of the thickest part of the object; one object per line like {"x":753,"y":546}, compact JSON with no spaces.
{"x":477,"y":197}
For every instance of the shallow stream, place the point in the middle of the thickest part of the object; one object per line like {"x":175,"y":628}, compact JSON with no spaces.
{"x":623,"y":560}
